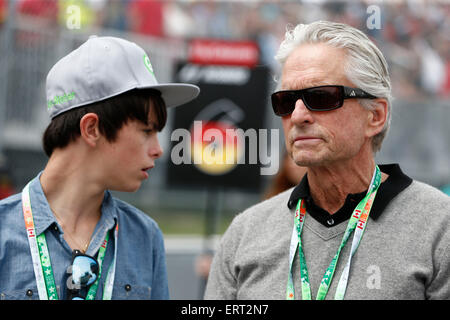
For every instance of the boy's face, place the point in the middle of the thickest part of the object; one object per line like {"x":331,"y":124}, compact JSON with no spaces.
{"x":127,"y":160}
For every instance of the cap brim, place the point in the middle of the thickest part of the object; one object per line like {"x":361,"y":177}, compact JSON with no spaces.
{"x":175,"y":94}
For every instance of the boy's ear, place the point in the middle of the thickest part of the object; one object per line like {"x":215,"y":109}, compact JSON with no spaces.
{"x":89,"y":129}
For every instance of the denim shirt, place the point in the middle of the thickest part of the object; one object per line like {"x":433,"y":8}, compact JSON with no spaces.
{"x":140,"y":268}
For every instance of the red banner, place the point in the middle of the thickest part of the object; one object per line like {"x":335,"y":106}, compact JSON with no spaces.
{"x":221,"y":52}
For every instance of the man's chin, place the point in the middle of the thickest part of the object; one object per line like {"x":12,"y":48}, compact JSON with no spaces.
{"x":306,"y":159}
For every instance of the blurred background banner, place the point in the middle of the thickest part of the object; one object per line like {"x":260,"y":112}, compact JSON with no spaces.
{"x":222,"y":123}
{"x":194,"y":36}
{"x":222,"y":52}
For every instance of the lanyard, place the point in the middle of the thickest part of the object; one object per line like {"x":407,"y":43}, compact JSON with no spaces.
{"x":41,"y":259}
{"x":357,"y":223}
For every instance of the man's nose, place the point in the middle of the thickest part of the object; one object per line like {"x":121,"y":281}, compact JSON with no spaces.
{"x":301,"y":113}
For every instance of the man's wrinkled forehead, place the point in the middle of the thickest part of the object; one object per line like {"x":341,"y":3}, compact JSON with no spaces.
{"x":312,"y":65}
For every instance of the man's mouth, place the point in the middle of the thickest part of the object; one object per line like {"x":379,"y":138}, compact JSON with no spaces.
{"x":300,"y":140}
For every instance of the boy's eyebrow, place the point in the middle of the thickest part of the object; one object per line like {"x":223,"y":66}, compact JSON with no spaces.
{"x":152,"y":125}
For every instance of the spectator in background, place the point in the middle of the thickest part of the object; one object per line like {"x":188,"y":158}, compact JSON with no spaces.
{"x":3,"y":11}
{"x":39,"y":14}
{"x":442,"y":43}
{"x":44,"y":10}
{"x":445,"y":90}
{"x":259,"y":26}
{"x":115,"y":15}
{"x":402,"y":24}
{"x":6,"y":188}
{"x":146,"y":17}
{"x":178,"y":22}
{"x":6,"y":185}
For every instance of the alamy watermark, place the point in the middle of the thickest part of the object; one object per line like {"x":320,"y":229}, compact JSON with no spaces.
{"x":373,"y":21}
{"x":374,"y":278}
{"x":73,"y":20}
{"x":73,"y":13}
{"x":226,"y":147}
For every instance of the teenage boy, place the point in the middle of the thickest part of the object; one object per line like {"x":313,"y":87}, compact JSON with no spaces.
{"x":64,"y":236}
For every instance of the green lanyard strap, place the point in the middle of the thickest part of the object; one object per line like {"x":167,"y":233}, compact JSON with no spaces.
{"x":357,"y":224}
{"x":41,"y":258}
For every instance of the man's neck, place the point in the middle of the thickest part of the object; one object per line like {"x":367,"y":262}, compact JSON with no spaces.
{"x":72,"y":193}
{"x":329,"y":185}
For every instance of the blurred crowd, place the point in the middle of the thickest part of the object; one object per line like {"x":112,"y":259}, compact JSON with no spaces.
{"x":414,"y":35}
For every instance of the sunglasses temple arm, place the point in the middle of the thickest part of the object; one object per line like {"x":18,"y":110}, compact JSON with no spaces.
{"x":357,"y":93}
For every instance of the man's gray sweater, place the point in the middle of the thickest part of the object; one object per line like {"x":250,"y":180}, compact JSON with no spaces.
{"x":404,"y":253}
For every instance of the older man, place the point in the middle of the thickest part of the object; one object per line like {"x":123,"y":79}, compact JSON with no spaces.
{"x":350,"y":229}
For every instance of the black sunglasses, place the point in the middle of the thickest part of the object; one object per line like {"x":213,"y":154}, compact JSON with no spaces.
{"x":84,"y":272}
{"x":321,"y":98}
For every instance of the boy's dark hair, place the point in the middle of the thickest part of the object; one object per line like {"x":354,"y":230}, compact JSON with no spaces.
{"x":113,"y":113}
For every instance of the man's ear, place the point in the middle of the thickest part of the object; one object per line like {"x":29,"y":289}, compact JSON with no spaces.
{"x":89,"y":129}
{"x":377,"y":117}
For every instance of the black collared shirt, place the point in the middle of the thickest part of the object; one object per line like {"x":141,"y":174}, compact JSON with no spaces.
{"x":388,"y":190}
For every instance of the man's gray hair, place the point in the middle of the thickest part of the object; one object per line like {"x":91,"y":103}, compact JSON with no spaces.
{"x":365,"y":66}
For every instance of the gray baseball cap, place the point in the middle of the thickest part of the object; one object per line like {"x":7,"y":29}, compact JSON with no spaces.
{"x":104,"y":67}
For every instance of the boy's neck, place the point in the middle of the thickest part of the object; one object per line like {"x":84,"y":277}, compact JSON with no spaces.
{"x":73,"y":195}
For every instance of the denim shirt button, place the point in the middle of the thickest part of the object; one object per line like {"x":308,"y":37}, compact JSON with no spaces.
{"x":127,"y":287}
{"x":29,"y":292}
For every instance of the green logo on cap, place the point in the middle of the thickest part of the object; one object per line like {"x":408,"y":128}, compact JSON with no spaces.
{"x":148,"y":64}
{"x":60,"y":99}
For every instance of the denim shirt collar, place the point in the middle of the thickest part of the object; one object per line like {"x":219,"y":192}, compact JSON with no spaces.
{"x":44,"y":218}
